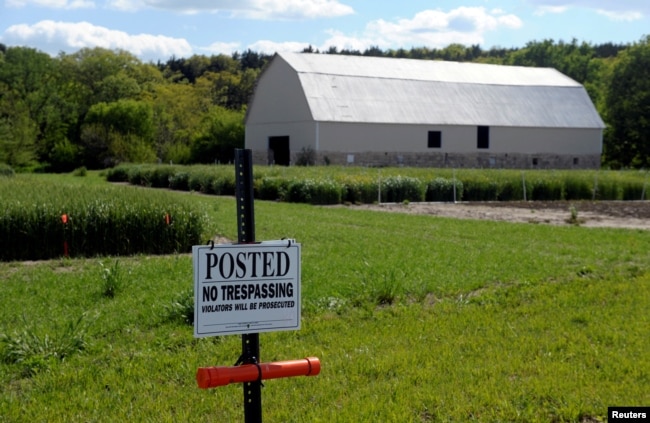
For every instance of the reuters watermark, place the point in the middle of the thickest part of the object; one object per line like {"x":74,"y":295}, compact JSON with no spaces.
{"x":628,"y":414}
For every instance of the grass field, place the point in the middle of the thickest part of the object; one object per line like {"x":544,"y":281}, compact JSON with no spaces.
{"x":414,"y":318}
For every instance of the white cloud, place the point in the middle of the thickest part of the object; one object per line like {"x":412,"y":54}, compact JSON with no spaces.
{"x":221,"y":48}
{"x":53,"y":37}
{"x":249,"y":9}
{"x":270,"y":47}
{"x":555,"y":10}
{"x":295,"y":9}
{"x":347,"y":42}
{"x":125,"y":5}
{"x":621,"y":16}
{"x":53,"y":4}
{"x":432,"y":28}
{"x":620,"y":10}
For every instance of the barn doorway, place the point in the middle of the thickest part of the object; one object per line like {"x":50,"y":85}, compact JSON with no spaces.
{"x":279,"y":152}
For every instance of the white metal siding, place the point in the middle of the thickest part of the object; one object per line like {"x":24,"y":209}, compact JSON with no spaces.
{"x":353,"y":137}
{"x":279,"y":97}
{"x":301,"y":135}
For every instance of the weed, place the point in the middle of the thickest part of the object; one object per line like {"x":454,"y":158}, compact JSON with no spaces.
{"x":182,"y":308}
{"x":306,"y":157}
{"x":113,"y":280}
{"x":6,"y":170}
{"x":573,"y":216}
{"x":378,"y":288}
{"x":585,"y":271}
{"x":80,"y":171}
{"x":36,"y":352}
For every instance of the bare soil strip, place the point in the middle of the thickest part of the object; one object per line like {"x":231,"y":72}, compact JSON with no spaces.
{"x":610,"y":214}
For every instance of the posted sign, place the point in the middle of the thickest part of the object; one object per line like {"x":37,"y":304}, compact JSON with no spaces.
{"x":246,"y":288}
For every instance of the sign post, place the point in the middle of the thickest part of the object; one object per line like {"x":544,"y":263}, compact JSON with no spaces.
{"x":247,"y":288}
{"x":246,"y":233}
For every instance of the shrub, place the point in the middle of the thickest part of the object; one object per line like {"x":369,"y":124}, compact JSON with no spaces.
{"x":546,"y":190}
{"x":442,"y":189}
{"x":223,"y":185}
{"x":511,"y":187}
{"x":608,"y":190}
{"x":306,"y":157}
{"x":576,"y":188}
{"x":180,"y":181}
{"x":359,"y":190}
{"x":137,"y":176}
{"x":118,"y":173}
{"x":510,"y":191}
{"x":6,"y":170}
{"x":160,"y":176}
{"x":201,"y":181}
{"x":324,"y":191}
{"x":632,"y":190}
{"x":396,"y":189}
{"x":271,"y":188}
{"x":80,"y":171}
{"x":480,"y":188}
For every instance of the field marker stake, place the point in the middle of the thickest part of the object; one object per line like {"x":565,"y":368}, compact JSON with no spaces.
{"x":64,"y":220}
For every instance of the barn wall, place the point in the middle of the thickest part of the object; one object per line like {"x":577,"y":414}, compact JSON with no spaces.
{"x":355,"y":137}
{"x":301,"y":135}
{"x":278,"y":97}
{"x":570,"y":141}
{"x":407,"y":145}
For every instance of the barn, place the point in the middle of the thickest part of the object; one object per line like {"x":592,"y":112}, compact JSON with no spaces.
{"x":371,"y":111}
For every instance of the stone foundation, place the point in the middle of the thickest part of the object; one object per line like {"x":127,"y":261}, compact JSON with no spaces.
{"x":448,"y":160}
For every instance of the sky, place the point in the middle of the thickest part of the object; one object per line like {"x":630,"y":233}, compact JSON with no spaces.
{"x":156,"y":30}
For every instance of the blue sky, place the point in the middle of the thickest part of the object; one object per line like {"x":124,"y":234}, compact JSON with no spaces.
{"x":158,"y":29}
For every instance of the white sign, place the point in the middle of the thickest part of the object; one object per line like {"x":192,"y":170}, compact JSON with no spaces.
{"x":246,"y":288}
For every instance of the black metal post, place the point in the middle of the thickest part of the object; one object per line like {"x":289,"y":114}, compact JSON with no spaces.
{"x":246,"y":234}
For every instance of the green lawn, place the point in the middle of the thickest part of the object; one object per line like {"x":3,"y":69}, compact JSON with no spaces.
{"x":414,"y":319}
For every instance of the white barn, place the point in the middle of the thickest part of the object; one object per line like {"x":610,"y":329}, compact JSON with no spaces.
{"x":400,"y":112}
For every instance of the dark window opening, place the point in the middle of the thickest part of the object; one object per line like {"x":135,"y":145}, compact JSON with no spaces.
{"x":483,"y":137}
{"x":535,"y":162}
{"x":575,"y":161}
{"x":435,"y":139}
{"x":279,"y":152}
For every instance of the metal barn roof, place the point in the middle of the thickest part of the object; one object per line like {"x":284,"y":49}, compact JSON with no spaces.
{"x":382,"y":90}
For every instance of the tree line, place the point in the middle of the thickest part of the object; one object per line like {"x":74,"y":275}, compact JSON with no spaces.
{"x":98,"y":107}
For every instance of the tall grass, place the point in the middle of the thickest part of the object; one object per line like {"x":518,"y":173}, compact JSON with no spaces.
{"x":41,"y":219}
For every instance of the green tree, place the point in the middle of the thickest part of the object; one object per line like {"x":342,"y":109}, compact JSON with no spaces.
{"x":17,"y":131}
{"x":220,"y":132}
{"x":94,"y":74}
{"x":627,"y":140}
{"x":178,"y":110}
{"x":36,"y":112}
{"x":117,"y":132}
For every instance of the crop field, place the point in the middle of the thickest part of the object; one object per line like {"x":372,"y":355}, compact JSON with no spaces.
{"x":357,"y":185}
{"x":43,"y":218}
{"x":415,"y":318}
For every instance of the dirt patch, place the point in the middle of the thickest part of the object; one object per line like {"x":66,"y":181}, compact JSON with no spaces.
{"x":610,"y":214}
